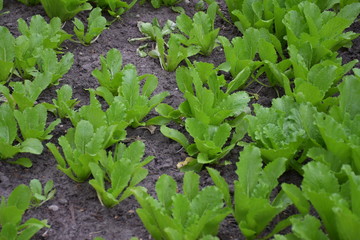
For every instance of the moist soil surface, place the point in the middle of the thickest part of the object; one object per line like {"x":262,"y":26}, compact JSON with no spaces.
{"x":75,"y":212}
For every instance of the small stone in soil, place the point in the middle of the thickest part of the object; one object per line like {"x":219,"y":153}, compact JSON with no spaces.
{"x":53,"y":208}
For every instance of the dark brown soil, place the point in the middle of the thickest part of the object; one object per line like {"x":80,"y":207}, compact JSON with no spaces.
{"x":80,"y":214}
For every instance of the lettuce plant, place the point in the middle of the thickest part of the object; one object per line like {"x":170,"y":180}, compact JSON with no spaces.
{"x":339,"y":129}
{"x":10,"y":143}
{"x":172,"y":53}
{"x":149,"y":29}
{"x":32,"y":123}
{"x":192,"y":215}
{"x":111,"y":122}
{"x":200,"y":29}
{"x":287,"y":130}
{"x":324,"y":31}
{"x":168,"y":3}
{"x":241,"y":51}
{"x":65,"y":9}
{"x":63,"y":105}
{"x":115,"y":7}
{"x":306,"y":82}
{"x":12,"y":210}
{"x":30,"y":2}
{"x":95,"y":26}
{"x":252,"y":207}
{"x":7,"y":54}
{"x":24,"y":94}
{"x":41,"y":194}
{"x":47,"y":35}
{"x":123,"y":85}
{"x":335,"y":200}
{"x":81,"y":145}
{"x":123,"y":169}
{"x":206,"y":109}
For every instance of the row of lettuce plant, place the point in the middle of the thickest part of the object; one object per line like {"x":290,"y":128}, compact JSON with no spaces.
{"x":293,"y":129}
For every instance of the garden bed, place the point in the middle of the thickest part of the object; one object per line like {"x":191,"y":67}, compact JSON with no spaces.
{"x":75,"y":212}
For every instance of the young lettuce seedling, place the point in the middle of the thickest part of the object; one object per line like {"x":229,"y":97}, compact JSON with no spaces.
{"x":252,"y":207}
{"x":115,"y":7}
{"x":334,"y":200}
{"x":12,"y":210}
{"x":65,"y":9}
{"x":43,"y":34}
{"x":309,"y":26}
{"x":30,"y":2}
{"x":32,"y":123}
{"x":112,"y":122}
{"x":340,"y":129}
{"x":206,"y":109}
{"x":96,"y":25}
{"x":240,"y":53}
{"x":200,"y":30}
{"x":192,"y":215}
{"x":8,"y":137}
{"x":123,"y":85}
{"x":124,"y":170}
{"x":63,"y":105}
{"x":172,"y":53}
{"x":288,"y":130}
{"x":167,"y":3}
{"x":25,"y":94}
{"x":41,"y":195}
{"x":81,"y":145}
{"x":7,"y":56}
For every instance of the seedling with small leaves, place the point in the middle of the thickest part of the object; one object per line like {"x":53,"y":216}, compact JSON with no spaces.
{"x":124,"y":170}
{"x":41,"y":195}
{"x":200,"y":29}
{"x":63,"y":105}
{"x":12,"y":210}
{"x":194,"y":214}
{"x":80,"y":146}
{"x":95,"y":26}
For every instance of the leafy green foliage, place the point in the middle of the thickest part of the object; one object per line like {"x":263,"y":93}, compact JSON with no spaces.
{"x":41,"y":195}
{"x":63,"y":105}
{"x":324,"y":31}
{"x":123,"y":170}
{"x":241,"y":51}
{"x":307,"y":227}
{"x":95,"y":26}
{"x":122,"y":85}
{"x":191,"y":215}
{"x":112,"y":122}
{"x":7,"y":53}
{"x":252,"y":208}
{"x":80,"y":146}
{"x":149,"y":29}
{"x":12,"y":210}
{"x":168,"y":3}
{"x":336,"y":202}
{"x":284,"y":130}
{"x":200,"y":30}
{"x":8,"y":137}
{"x":32,"y":122}
{"x":64,"y":9}
{"x":339,"y":129}
{"x":311,"y":83}
{"x":115,"y":7}
{"x":48,"y":35}
{"x":206,"y":109}
{"x":205,"y":97}
{"x":172,"y":53}
{"x":25,"y":94}
{"x":30,"y":2}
